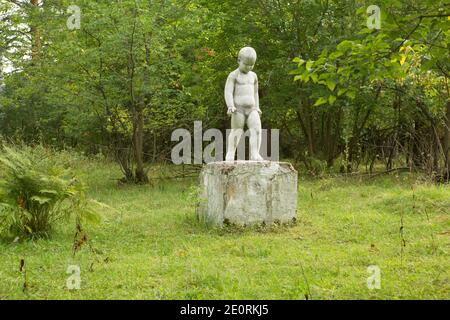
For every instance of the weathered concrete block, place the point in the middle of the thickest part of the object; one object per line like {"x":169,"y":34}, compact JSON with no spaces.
{"x":248,"y":192}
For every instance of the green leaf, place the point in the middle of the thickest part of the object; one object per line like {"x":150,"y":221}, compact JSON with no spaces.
{"x":296,"y":71}
{"x":41,"y":200}
{"x":320,"y":61}
{"x":351,"y":94}
{"x":331,"y":85}
{"x":305,"y":76}
{"x":341,"y":92}
{"x":335,"y":55}
{"x":324,"y":53}
{"x":345,"y":45}
{"x":320,"y":101}
{"x":299,"y":61}
{"x":331,"y":99}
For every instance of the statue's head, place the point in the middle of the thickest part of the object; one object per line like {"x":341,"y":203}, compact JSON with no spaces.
{"x":247,"y":59}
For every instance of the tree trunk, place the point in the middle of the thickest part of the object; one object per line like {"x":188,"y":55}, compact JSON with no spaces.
{"x":138,"y":145}
{"x":35,"y":36}
{"x":447,"y":144}
{"x":416,"y":156}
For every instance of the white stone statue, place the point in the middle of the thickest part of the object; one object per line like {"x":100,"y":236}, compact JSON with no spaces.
{"x":242,"y":99}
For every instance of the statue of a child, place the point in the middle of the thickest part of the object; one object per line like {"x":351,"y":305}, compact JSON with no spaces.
{"x":242,"y":99}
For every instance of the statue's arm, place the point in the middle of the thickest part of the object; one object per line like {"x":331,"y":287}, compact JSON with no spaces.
{"x":229,"y":91}
{"x":257,"y":94}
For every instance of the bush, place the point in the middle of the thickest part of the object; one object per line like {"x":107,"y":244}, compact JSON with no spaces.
{"x":37,"y":189}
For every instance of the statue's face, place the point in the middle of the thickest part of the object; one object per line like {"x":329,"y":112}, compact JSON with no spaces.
{"x":246,"y":64}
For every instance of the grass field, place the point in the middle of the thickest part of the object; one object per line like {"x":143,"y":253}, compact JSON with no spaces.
{"x":150,"y":246}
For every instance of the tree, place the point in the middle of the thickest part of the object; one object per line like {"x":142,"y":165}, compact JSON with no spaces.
{"x":387,"y":62}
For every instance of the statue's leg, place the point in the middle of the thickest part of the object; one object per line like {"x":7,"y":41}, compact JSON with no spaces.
{"x":237,"y":128}
{"x":254,"y":124}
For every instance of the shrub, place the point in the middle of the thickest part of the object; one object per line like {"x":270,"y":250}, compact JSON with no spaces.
{"x":37,"y":189}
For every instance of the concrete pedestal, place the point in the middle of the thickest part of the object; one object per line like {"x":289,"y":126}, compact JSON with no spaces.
{"x":248,"y":193}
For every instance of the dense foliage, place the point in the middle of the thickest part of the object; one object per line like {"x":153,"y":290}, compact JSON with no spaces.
{"x":137,"y":70}
{"x":38,"y":190}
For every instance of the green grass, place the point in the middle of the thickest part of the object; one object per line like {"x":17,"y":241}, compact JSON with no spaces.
{"x":149,"y":246}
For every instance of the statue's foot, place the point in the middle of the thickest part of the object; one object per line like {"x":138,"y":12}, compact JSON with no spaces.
{"x":229,"y":159}
{"x":257,"y":158}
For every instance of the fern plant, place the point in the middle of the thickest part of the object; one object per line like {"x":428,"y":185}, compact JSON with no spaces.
{"x":37,"y":190}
